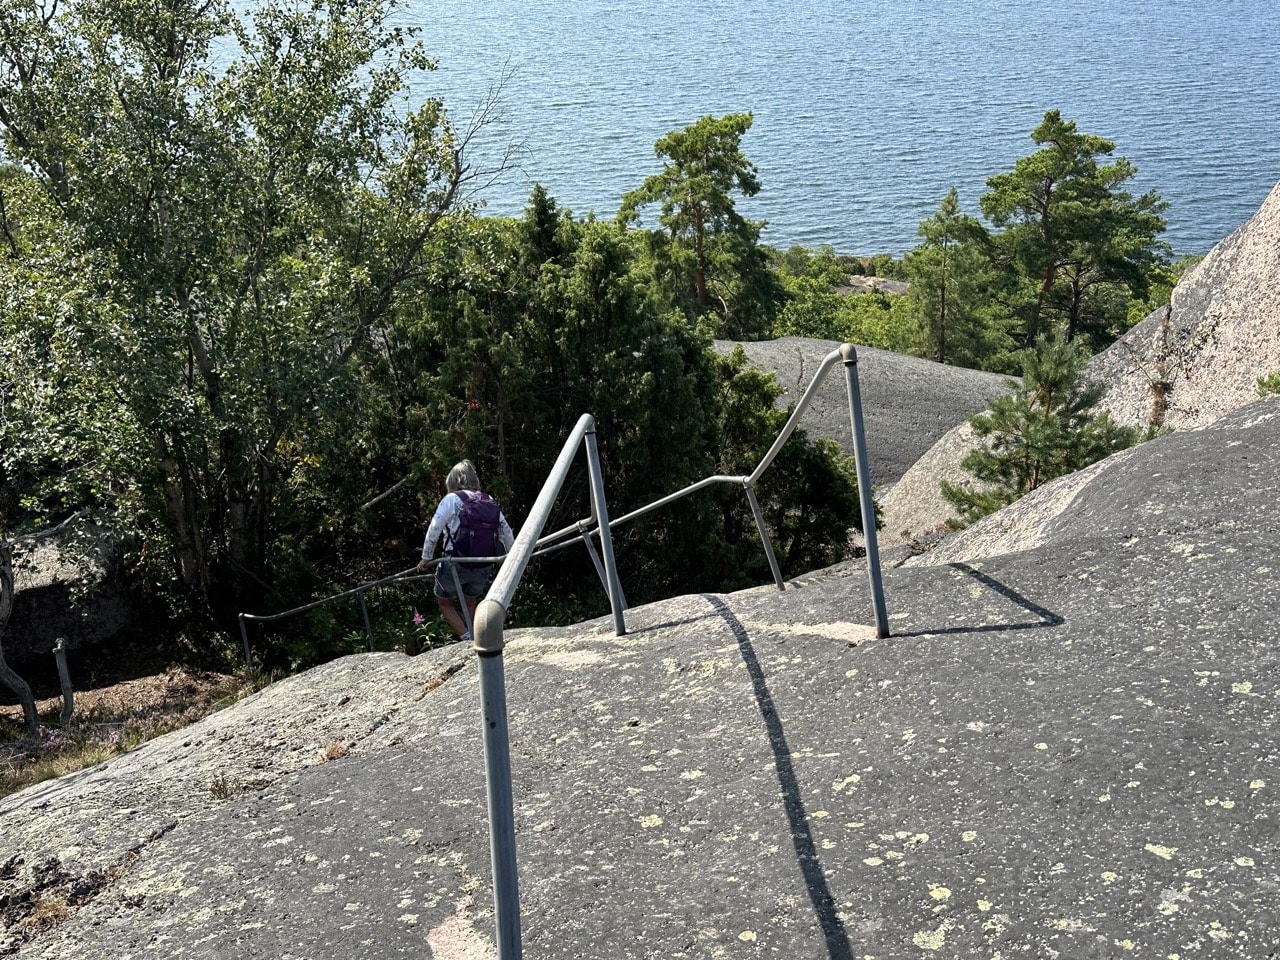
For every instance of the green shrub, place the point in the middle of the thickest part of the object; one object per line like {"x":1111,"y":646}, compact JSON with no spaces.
{"x":1047,"y":427}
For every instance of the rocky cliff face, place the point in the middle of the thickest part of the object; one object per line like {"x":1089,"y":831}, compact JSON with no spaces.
{"x":1185,"y":366}
{"x":1219,"y":335}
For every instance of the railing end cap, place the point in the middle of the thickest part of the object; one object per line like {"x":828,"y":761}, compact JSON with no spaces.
{"x":486,"y":636}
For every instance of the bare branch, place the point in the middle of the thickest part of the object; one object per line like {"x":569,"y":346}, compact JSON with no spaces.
{"x":386,"y":493}
{"x":47,"y":532}
{"x":6,"y":226}
{"x":488,"y":112}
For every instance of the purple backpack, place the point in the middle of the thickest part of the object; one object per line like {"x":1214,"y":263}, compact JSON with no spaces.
{"x":477,"y":534}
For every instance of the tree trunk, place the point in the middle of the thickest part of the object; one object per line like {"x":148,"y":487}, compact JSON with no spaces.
{"x":700,"y":252}
{"x":1076,"y":311}
{"x":180,"y":500}
{"x":1035,"y":323}
{"x":942,"y":321}
{"x":7,"y":675}
{"x":20,"y":687}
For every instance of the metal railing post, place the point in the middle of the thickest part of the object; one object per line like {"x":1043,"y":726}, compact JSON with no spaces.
{"x":600,"y":509}
{"x":764,"y":534}
{"x":850,"y":355}
{"x":457,"y":592}
{"x":600,"y":571}
{"x":502,"y":828}
{"x":244,"y":636}
{"x":368,"y":627}
{"x":488,"y":642}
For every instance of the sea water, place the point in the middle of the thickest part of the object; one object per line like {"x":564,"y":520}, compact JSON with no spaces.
{"x":866,"y":114}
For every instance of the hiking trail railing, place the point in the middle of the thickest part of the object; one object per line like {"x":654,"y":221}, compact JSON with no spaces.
{"x":488,"y":629}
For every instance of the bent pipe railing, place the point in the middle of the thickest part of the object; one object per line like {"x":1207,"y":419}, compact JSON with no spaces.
{"x":491,"y":612}
{"x":846,"y":353}
{"x":489,"y":643}
{"x":487,"y":640}
{"x":591,"y":526}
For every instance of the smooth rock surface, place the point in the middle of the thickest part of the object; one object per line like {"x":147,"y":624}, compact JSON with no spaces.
{"x":1062,"y":751}
{"x":907,"y":403}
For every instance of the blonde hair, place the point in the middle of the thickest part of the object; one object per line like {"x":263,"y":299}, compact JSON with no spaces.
{"x":462,"y":477}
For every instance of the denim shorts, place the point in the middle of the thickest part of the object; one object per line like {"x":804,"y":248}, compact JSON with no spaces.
{"x":473,"y":579}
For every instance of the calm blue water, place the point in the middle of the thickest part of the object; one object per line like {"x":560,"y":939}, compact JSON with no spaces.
{"x":866,"y":114}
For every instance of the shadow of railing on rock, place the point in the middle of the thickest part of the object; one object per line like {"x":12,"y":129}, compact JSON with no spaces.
{"x":815,"y":881}
{"x":1047,"y":617}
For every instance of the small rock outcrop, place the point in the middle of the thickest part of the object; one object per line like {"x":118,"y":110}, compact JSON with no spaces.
{"x":82,"y":601}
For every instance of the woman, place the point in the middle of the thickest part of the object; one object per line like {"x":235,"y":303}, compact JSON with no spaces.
{"x":465,"y":515}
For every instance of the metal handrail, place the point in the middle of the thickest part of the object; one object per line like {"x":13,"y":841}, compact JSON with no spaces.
{"x":801,"y":406}
{"x":591,"y":526}
{"x":846,"y":353}
{"x":497,"y":600}
{"x":404,"y":576}
{"x":487,"y":640}
{"x":491,"y":612}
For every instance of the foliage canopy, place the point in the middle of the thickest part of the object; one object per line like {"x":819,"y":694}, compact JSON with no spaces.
{"x":237,"y":239}
{"x":242,"y":295}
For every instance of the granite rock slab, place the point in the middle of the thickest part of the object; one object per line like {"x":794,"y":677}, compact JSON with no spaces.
{"x":1063,"y":750}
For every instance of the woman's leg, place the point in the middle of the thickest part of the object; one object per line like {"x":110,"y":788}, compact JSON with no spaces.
{"x":452,"y":615}
{"x":443,"y":591}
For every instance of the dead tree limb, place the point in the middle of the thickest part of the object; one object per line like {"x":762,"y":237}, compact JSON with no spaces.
{"x":384,"y":494}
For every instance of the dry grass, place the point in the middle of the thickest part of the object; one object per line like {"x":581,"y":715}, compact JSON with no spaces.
{"x":48,"y":912}
{"x":335,"y":750}
{"x":223,"y":787}
{"x":108,"y":721}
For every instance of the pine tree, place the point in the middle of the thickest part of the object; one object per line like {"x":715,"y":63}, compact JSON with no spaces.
{"x":1079,"y":244}
{"x":1047,"y":427}
{"x":707,"y":250}
{"x":948,"y":289}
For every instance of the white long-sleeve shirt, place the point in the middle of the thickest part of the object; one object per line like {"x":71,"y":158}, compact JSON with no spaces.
{"x":446,"y":519}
